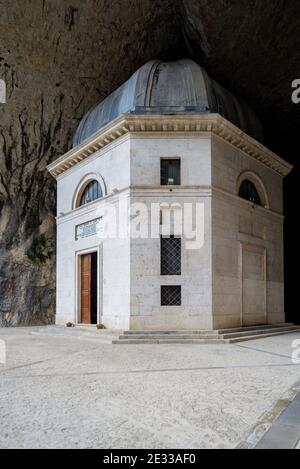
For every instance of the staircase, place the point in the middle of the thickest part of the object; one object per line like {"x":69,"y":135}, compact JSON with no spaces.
{"x":221,"y":336}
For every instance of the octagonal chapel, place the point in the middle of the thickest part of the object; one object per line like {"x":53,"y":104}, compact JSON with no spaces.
{"x":170,"y":209}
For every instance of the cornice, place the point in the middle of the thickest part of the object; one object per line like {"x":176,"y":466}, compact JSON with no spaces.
{"x":213,"y":124}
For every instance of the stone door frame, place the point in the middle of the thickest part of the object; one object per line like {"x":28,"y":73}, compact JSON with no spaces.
{"x":78,"y":255}
{"x":260,"y":250}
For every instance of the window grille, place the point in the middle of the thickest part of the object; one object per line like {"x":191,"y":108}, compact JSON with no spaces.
{"x":170,"y":256}
{"x":249,"y":192}
{"x":171,"y":296}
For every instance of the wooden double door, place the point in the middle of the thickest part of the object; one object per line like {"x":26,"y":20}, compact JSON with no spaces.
{"x":89,"y":288}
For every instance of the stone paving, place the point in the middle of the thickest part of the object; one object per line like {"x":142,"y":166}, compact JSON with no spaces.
{"x":72,"y":390}
{"x":285,"y":431}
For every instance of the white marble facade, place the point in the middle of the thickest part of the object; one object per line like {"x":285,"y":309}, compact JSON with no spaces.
{"x":235,"y":279}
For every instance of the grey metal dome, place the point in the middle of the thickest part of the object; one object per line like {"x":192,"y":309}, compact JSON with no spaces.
{"x":181,"y":87}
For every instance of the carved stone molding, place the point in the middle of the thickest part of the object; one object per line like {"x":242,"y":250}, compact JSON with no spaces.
{"x":153,"y":125}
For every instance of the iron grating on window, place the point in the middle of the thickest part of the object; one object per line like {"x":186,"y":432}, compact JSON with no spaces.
{"x":249,"y":192}
{"x":171,"y":296}
{"x":171,"y":256}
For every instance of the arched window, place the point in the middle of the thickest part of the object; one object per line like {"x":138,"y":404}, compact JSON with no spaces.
{"x":92,"y":192}
{"x":249,"y":192}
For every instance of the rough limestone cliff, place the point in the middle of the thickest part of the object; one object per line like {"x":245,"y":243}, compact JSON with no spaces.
{"x":59,"y":57}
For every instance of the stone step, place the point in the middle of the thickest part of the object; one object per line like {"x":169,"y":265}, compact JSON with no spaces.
{"x":258,"y":337}
{"x":229,"y":336}
{"x":170,"y":332}
{"x":258,"y":332}
{"x":168,"y":341}
{"x":202,"y":336}
{"x":224,"y":333}
{"x":169,"y":336}
{"x":205,"y":331}
{"x":254,"y":328}
{"x":225,"y":336}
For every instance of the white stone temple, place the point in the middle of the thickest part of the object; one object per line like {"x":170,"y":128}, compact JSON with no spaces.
{"x":167,"y":140}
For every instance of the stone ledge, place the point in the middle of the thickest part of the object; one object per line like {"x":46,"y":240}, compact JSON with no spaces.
{"x":212,"y":124}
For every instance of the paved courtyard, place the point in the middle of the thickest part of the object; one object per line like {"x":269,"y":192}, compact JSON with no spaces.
{"x":67,"y":389}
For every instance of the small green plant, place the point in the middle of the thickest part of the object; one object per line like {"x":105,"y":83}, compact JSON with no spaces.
{"x":41,"y":249}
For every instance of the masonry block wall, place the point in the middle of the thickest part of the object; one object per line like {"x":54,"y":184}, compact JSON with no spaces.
{"x":248,"y":282}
